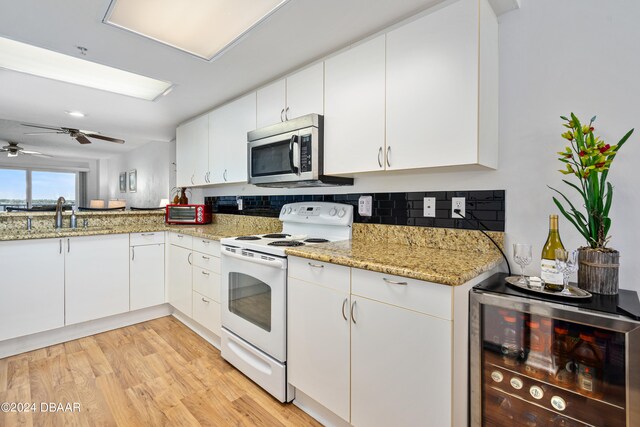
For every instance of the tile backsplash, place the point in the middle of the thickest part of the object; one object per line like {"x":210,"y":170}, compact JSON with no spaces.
{"x":388,"y":208}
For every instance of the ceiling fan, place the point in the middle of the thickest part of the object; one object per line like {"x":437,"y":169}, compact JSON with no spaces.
{"x":82,"y":136}
{"x":13,"y":150}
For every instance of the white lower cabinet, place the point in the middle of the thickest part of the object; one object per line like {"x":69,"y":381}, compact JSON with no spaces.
{"x":400,"y":366}
{"x":179,"y":280}
{"x":97,"y":277}
{"x":318,"y":343}
{"x":31,"y":299}
{"x":374,"y":349}
{"x":146,"y":276}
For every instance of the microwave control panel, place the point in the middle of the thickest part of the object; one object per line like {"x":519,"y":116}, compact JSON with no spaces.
{"x":305,"y":153}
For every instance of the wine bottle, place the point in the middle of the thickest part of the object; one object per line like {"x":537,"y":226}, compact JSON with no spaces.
{"x":549,"y":273}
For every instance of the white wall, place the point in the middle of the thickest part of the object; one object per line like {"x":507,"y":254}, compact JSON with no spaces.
{"x":152,"y":162}
{"x":555,"y":57}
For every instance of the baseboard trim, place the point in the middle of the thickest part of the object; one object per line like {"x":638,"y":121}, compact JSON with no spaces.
{"x":318,"y":412}
{"x":14,"y":346}
{"x":203,"y":332}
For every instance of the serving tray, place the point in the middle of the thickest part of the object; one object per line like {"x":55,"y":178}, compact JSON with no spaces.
{"x":576,"y":293}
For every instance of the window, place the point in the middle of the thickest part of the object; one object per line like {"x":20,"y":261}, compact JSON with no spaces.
{"x":13,"y":188}
{"x":27,"y":188}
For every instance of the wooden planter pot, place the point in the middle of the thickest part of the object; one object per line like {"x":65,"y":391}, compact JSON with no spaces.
{"x":598,"y":271}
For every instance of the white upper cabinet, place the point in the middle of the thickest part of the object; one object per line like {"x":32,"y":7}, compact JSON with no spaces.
{"x":299,"y":94}
{"x":442,"y":89}
{"x":192,"y":152}
{"x":355,"y":109}
{"x":229,"y":125}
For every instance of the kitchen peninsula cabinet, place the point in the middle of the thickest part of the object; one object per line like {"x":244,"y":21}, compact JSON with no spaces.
{"x":96,"y":277}
{"x":31,"y":299}
{"x":192,"y":152}
{"x":228,"y":127}
{"x":354,"y":139}
{"x":442,"y":89}
{"x":377,"y":349}
{"x":299,"y":94}
{"x":146,"y":270}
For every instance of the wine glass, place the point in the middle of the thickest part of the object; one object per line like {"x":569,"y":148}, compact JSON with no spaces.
{"x":567,"y":264}
{"x":522,"y":255}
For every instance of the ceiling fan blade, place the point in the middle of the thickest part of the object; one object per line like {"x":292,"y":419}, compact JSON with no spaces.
{"x":35,"y":153}
{"x":30,"y":152}
{"x":41,"y":133}
{"x":106,"y":138}
{"x":82,"y":139}
{"x":42,"y":127}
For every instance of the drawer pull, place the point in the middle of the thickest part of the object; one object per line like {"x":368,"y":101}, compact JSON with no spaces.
{"x":206,"y":242}
{"x":205,"y":273}
{"x":180,"y":236}
{"x":315,"y":265}
{"x":393,"y":282}
{"x":344,"y":305}
{"x":204,"y":300}
{"x":148,"y":234}
{"x":205,"y":257}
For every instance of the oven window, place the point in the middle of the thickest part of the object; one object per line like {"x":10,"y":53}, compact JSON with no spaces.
{"x":271,"y":159}
{"x":250,"y":299}
{"x":182,"y":213}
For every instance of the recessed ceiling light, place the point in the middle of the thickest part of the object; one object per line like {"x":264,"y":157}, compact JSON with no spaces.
{"x":75,"y":113}
{"x":203,"y":28}
{"x":40,"y":62}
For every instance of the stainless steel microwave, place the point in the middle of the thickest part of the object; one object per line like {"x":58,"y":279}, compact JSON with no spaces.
{"x":289,"y":154}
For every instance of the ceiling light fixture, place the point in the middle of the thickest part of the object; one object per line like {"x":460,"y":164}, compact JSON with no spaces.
{"x":40,"y":62}
{"x":75,"y":113}
{"x":203,"y":28}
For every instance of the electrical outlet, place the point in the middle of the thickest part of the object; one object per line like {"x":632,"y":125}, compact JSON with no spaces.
{"x":430,"y":207}
{"x":239,"y":201}
{"x":365,"y":205}
{"x":458,"y":203}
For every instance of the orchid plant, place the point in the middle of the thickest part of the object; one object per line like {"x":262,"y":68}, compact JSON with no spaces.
{"x":589,"y":159}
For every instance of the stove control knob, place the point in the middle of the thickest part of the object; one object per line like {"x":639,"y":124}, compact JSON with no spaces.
{"x":288,"y":210}
{"x":342,"y":212}
{"x":333,"y":212}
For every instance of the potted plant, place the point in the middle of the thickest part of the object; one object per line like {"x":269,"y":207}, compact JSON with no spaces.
{"x":589,"y":159}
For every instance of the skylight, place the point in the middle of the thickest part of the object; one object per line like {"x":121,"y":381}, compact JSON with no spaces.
{"x":40,"y":62}
{"x":204,"y":28}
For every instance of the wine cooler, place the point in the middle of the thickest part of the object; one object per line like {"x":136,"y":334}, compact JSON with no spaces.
{"x":540,"y":361}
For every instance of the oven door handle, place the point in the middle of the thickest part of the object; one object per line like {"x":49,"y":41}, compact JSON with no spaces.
{"x":278,"y":263}
{"x":295,"y":168}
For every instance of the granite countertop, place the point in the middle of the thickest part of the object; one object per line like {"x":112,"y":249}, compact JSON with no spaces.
{"x":448,"y":267}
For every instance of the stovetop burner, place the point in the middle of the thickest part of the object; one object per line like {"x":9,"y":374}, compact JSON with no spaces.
{"x":276,"y":236}
{"x":289,"y":243}
{"x":248,"y":238}
{"x":316,"y":240}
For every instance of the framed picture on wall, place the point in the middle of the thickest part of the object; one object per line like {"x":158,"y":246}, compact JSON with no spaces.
{"x":133,"y":180}
{"x":123,"y":182}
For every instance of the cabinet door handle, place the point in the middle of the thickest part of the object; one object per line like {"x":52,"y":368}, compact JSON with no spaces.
{"x":389,"y":156}
{"x":315,"y":265}
{"x":286,"y":113}
{"x":344,"y":305}
{"x":380,"y":157}
{"x":205,"y":273}
{"x":224,"y":175}
{"x":393,"y":282}
{"x":192,"y":179}
{"x":204,"y":300}
{"x":133,"y":253}
{"x":189,"y":258}
{"x":353,"y":318}
{"x":68,"y":245}
{"x":282,"y":115}
{"x":60,"y":245}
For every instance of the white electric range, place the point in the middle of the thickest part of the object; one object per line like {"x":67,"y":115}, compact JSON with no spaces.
{"x":254,"y":289}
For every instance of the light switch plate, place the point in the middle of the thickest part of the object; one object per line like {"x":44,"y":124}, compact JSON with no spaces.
{"x":430,"y":207}
{"x":365,"y":207}
{"x":240,"y":204}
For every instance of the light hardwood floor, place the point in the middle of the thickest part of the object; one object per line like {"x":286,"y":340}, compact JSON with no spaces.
{"x":151,"y":374}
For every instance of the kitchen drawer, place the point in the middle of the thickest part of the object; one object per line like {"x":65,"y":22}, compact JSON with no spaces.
{"x":206,"y":246}
{"x":208,"y":262}
{"x":182,"y":240}
{"x":322,"y":273}
{"x":206,"y":312}
{"x":425,"y":297}
{"x":150,"y":238}
{"x":207,"y":283}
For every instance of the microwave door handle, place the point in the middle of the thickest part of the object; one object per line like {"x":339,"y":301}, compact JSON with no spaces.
{"x":293,"y":142}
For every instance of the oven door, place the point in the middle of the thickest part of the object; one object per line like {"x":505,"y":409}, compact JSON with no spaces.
{"x":254,"y":298}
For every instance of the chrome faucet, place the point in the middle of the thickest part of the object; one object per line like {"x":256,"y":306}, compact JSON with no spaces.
{"x":59,"y":204}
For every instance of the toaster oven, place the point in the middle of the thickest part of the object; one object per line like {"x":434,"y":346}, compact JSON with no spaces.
{"x":188,"y":214}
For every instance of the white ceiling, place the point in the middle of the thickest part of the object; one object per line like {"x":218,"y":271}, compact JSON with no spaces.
{"x":301,"y":31}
